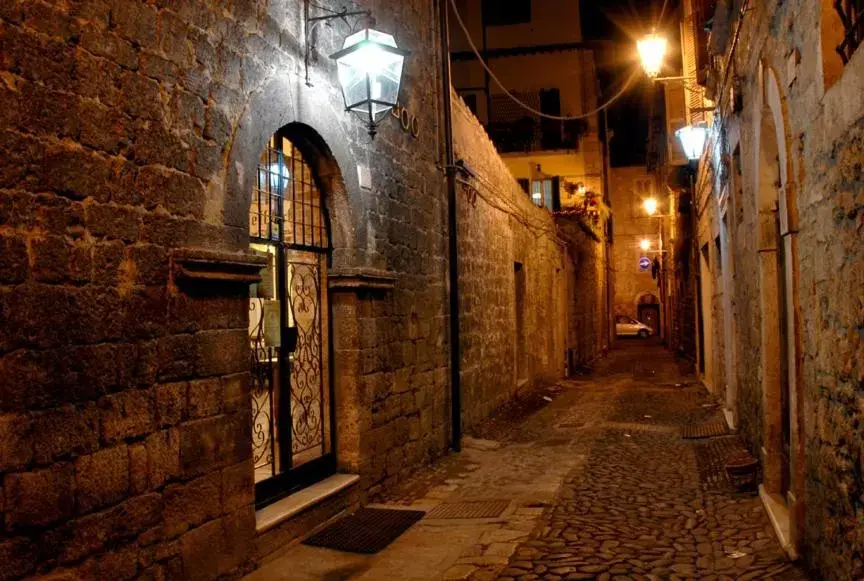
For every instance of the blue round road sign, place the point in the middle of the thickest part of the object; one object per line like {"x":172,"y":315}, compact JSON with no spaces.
{"x":644,"y":263}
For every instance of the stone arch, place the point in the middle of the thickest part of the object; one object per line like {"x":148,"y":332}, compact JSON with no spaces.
{"x":326,"y":138}
{"x":280,"y":104}
{"x":646,"y":298}
{"x":778,"y":270}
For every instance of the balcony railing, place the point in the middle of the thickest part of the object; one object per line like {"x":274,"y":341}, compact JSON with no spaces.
{"x":852,"y":16}
{"x":530,"y":134}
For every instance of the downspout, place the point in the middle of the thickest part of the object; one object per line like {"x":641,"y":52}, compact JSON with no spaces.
{"x":450,"y":168}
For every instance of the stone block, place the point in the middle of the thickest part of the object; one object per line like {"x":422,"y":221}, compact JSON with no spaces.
{"x":235,"y":392}
{"x":191,"y":503}
{"x":146,"y":312}
{"x":127,"y":414}
{"x":16,"y":448}
{"x":163,"y":457}
{"x":113,"y":222}
{"x":139,"y":477}
{"x":200,"y":549}
{"x":17,"y":558}
{"x":238,"y":529}
{"x":176,"y":357}
{"x":170,"y":403}
{"x":88,"y":534}
{"x":14,"y":264}
{"x":120,"y":564}
{"x":205,"y":398}
{"x":222,"y":352}
{"x":200,"y":442}
{"x":150,"y":263}
{"x":238,"y":486}
{"x":102,"y":478}
{"x":107,"y":258}
{"x":63,"y":431}
{"x":57,"y":260}
{"x":40,"y":497}
{"x":164,"y":229}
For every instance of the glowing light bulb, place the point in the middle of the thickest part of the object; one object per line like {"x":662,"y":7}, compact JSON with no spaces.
{"x":644,"y":244}
{"x":650,"y":206}
{"x":652,"y":49}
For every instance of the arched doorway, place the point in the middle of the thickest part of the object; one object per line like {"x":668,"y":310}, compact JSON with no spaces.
{"x":289,"y":323}
{"x":648,"y":311}
{"x":778,"y":281}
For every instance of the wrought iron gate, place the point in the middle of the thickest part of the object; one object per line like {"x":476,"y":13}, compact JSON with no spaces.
{"x":292,"y":412}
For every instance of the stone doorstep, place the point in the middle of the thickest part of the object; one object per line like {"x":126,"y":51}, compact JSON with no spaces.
{"x":778,"y":514}
{"x":275,"y":514}
{"x":730,"y":419}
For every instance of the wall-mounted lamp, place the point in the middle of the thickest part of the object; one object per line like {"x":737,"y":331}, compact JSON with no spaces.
{"x":652,"y":49}
{"x":369,"y":65}
{"x":693,"y":139}
{"x":645,"y":244}
{"x":370,"y":72}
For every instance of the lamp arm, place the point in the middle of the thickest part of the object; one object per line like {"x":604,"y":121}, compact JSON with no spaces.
{"x":312,"y":22}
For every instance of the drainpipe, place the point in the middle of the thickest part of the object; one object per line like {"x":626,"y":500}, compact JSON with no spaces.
{"x":450,"y":168}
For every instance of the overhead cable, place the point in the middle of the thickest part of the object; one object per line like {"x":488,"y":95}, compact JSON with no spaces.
{"x":522,"y":104}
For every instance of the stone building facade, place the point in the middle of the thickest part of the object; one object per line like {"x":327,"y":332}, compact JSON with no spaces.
{"x":781,"y":203}
{"x":136,"y":138}
{"x":637,"y":288}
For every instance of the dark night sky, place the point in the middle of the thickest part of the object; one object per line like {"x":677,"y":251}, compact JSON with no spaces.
{"x":624,"y":21}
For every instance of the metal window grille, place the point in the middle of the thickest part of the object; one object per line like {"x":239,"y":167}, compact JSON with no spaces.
{"x":852,"y":16}
{"x":286,"y":202}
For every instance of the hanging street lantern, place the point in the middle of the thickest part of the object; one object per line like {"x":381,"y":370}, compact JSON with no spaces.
{"x":370,"y":72}
{"x":693,"y":139}
{"x":652,"y":49}
{"x":650,"y":205}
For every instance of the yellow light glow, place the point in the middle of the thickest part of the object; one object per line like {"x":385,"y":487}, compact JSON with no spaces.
{"x":650,"y":206}
{"x":652,"y":49}
{"x":644,"y":244}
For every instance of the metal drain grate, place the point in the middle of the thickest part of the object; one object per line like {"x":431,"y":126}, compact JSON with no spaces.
{"x":366,"y":531}
{"x":480,"y":509}
{"x":706,"y":430}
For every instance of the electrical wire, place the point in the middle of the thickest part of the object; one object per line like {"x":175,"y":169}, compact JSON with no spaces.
{"x":662,"y":13}
{"x":522,"y":104}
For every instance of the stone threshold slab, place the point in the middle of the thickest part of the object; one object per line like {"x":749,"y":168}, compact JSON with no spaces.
{"x":274,"y":514}
{"x":778,"y":514}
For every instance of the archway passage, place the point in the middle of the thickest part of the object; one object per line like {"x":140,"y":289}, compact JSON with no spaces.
{"x":648,"y":312}
{"x":292,"y":403}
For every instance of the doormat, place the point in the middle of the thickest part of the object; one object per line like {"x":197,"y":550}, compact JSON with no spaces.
{"x":366,"y":531}
{"x":705,"y":430}
{"x":477,"y":509}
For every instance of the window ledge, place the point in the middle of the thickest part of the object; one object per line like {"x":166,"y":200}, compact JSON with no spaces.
{"x":275,"y":514}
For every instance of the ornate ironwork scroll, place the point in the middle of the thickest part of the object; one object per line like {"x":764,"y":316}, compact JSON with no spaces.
{"x":307,"y":386}
{"x":262,"y":391}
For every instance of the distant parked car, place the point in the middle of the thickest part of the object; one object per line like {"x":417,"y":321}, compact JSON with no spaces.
{"x":628,"y":327}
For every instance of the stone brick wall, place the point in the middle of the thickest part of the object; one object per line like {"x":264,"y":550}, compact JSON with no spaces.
{"x":498,"y":228}
{"x":631,"y":226}
{"x":131,"y":131}
{"x":822,"y":136}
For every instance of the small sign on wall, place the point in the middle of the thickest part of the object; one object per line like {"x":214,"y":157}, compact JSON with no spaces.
{"x":644,"y":263}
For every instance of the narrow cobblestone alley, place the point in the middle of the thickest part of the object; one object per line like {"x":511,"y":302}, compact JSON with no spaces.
{"x":599,"y":484}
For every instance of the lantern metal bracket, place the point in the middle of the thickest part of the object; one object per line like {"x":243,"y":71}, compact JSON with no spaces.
{"x":312,"y":22}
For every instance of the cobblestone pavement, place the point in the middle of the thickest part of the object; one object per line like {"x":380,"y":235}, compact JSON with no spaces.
{"x":599,"y":484}
{"x":640,"y":507}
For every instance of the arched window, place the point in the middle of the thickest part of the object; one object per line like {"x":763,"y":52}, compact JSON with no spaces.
{"x":291,"y":397}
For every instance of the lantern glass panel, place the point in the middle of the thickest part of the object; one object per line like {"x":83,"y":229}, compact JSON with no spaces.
{"x":370,"y":73}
